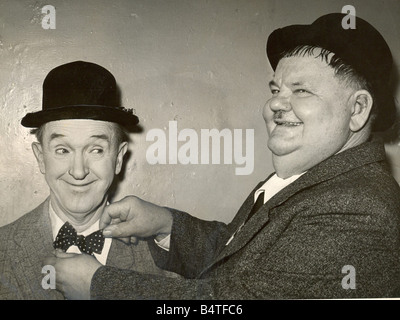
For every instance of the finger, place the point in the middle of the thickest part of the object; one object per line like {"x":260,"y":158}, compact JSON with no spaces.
{"x":114,"y":211}
{"x":63,"y":255}
{"x":120,"y":230}
{"x":129,"y":240}
{"x":105,"y":219}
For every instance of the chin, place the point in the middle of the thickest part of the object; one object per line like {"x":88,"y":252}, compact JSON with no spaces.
{"x":280,"y":149}
{"x":81,"y":210}
{"x":82,"y":206}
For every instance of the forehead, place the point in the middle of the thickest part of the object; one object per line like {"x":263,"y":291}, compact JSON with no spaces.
{"x":307,"y":68}
{"x":79,"y":129}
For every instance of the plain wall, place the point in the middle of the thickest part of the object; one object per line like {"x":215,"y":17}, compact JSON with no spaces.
{"x":201,"y":63}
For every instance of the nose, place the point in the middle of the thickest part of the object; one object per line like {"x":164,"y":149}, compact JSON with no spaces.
{"x":279,"y":103}
{"x":79,"y":169}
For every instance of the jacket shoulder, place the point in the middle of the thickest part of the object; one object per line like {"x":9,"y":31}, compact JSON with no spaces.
{"x":13,"y":229}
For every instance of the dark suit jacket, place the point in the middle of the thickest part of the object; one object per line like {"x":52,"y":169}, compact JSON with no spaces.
{"x":344,"y":211}
{"x":27,"y":241}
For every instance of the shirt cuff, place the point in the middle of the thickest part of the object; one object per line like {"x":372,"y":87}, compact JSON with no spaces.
{"x":164,"y":243}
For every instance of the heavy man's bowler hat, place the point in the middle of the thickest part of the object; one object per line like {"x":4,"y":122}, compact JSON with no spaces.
{"x":80,"y":90}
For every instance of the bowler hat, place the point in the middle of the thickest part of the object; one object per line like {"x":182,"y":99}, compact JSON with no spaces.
{"x":80,"y":90}
{"x":363,"y":48}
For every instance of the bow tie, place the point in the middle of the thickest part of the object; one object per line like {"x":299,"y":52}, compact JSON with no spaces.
{"x":67,"y":236}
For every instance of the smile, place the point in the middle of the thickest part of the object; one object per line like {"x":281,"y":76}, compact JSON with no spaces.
{"x":79,"y":185}
{"x":287,"y":123}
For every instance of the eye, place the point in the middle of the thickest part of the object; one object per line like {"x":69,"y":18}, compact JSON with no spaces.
{"x":61,"y":151}
{"x":274,"y":89}
{"x":302,"y":92}
{"x":97,"y":151}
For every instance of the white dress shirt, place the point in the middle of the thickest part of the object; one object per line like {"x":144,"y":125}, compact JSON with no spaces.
{"x":273,"y":185}
{"x":57,"y":223}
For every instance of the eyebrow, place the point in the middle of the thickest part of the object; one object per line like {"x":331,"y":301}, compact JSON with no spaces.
{"x":101,"y":136}
{"x":298,"y":84}
{"x":273,"y":83}
{"x":294,"y":84}
{"x":56,"y":135}
{"x":96,"y":136}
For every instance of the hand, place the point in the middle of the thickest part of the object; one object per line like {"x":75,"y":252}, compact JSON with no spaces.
{"x":134,"y":217}
{"x":74,"y":273}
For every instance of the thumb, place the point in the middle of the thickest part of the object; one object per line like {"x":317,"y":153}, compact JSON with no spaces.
{"x":119,"y":230}
{"x":110,"y":213}
{"x":116,"y":211}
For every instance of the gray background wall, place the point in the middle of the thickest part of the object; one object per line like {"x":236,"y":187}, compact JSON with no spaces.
{"x":199,"y":62}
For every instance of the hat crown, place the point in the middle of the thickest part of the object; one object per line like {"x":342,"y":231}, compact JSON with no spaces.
{"x":81,"y":90}
{"x":363,"y":46}
{"x":79,"y":83}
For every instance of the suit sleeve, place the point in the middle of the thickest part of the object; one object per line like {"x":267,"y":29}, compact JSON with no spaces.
{"x":299,"y":253}
{"x":194,"y":244}
{"x":306,"y":262}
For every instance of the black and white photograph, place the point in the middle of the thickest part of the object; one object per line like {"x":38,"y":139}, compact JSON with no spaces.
{"x":199,"y":150}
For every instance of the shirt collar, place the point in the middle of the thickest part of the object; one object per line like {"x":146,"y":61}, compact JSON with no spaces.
{"x":57,"y":223}
{"x":275,"y":184}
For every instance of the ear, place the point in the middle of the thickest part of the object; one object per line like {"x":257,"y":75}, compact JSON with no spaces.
{"x":123,"y":148}
{"x":38,"y":152}
{"x":361,"y":108}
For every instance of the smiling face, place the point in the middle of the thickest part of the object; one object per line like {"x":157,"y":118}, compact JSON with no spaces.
{"x":309,"y":117}
{"x":79,"y":159}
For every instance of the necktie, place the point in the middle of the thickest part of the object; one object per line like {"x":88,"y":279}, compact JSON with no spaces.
{"x":67,"y":236}
{"x":259,"y":203}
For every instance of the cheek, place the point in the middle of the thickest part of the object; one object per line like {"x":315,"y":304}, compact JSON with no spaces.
{"x":104,"y":169}
{"x":55,"y":168}
{"x":268,"y":114}
{"x":314,"y":112}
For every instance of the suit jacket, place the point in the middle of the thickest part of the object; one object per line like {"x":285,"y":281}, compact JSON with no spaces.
{"x":342,"y":212}
{"x":26,"y":242}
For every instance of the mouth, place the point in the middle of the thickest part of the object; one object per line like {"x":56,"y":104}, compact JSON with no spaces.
{"x":79,"y":185}
{"x":280,"y":122}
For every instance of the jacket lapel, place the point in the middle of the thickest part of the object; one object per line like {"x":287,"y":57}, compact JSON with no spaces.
{"x":36,"y":243}
{"x":343,"y":162}
{"x":37,"y":237}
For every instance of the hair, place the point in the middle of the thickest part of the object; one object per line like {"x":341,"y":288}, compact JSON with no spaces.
{"x":343,"y":71}
{"x":121,"y":134}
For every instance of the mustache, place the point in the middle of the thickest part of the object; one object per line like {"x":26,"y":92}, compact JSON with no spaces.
{"x":278,"y":115}
{"x":283,"y":116}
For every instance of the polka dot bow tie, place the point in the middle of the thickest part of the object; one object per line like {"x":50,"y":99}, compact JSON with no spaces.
{"x":67,"y":236}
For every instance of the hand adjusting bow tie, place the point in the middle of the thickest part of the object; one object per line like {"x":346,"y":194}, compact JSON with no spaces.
{"x":67,"y":236}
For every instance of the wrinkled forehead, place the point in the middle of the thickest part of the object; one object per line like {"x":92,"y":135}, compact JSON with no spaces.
{"x":79,"y":130}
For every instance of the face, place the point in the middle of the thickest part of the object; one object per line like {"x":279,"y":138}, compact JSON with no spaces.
{"x":308,"y":116}
{"x":79,"y":159}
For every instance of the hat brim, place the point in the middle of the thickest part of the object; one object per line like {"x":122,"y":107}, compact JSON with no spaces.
{"x":288,"y":38}
{"x":121,"y":116}
{"x":284,"y":39}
